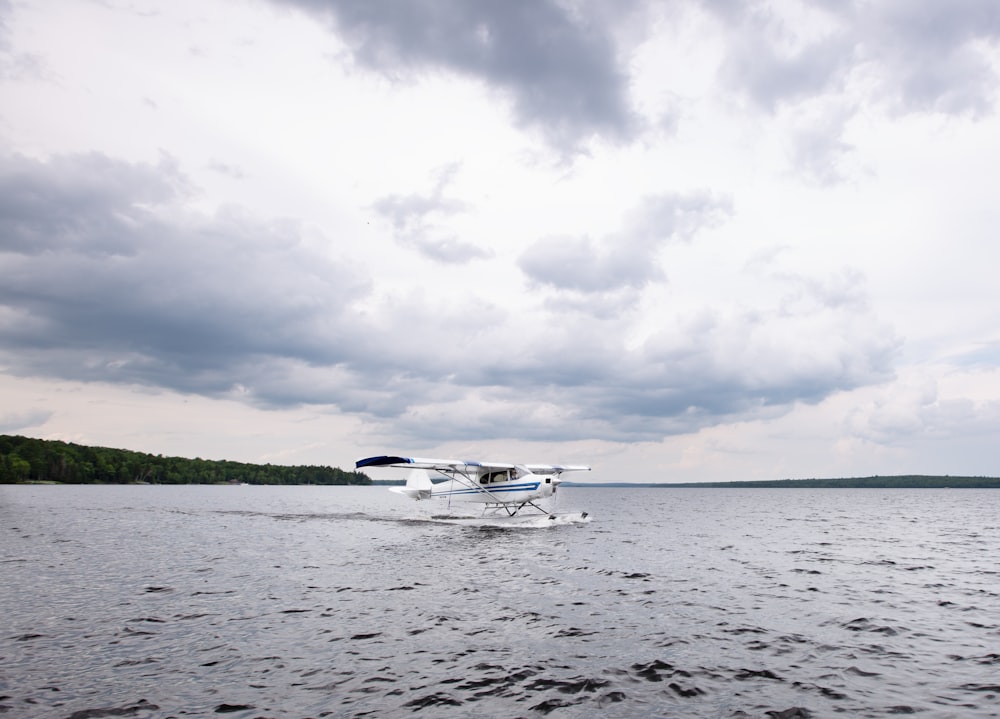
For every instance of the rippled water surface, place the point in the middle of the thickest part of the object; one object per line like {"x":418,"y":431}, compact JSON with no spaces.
{"x":352,"y":601}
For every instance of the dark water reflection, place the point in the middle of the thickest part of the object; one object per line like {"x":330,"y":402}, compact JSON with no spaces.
{"x":345,"y":602}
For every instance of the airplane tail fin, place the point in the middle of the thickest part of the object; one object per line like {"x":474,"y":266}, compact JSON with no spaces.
{"x":418,"y":485}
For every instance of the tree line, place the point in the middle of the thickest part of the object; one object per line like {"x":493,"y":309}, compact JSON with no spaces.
{"x":23,"y":459}
{"x":901,"y":481}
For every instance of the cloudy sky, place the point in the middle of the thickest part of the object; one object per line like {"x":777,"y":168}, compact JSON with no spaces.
{"x":686,"y":240}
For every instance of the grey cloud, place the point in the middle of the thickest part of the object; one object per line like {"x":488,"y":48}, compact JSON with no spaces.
{"x":728,"y":365}
{"x":625,"y":261}
{"x":408,"y":213}
{"x":587,"y":384}
{"x":913,"y":406}
{"x":414,"y":220}
{"x":412,"y":214}
{"x":17,"y":421}
{"x":552,"y":355}
{"x":900,"y":56}
{"x":930,"y":54}
{"x":5,"y":8}
{"x":89,"y":203}
{"x":843,"y":289}
{"x":770,"y":77}
{"x":224,"y":168}
{"x":107,"y":278}
{"x":557,"y":65}
{"x":680,"y":216}
{"x":128,"y":286}
{"x":817,"y":148}
{"x":921,"y":55}
{"x":16,"y":65}
{"x":578,"y":376}
{"x":613,"y":304}
{"x":450,"y":250}
{"x":584,"y":265}
{"x":233,"y":306}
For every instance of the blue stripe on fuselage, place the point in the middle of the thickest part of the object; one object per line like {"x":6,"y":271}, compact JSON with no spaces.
{"x":487,"y":489}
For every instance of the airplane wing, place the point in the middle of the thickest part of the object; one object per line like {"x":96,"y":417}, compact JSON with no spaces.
{"x":555,"y":468}
{"x":442,"y":465}
{"x":452,"y":465}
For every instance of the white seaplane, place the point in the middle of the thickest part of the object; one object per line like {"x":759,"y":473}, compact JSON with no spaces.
{"x":500,"y":486}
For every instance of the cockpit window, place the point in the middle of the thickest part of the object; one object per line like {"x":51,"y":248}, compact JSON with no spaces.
{"x":499,"y":476}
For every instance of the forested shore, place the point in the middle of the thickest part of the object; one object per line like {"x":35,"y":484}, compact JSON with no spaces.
{"x":23,"y":459}
{"x":901,"y":481}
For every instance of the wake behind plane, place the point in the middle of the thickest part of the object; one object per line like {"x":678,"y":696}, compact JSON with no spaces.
{"x":501,"y":487}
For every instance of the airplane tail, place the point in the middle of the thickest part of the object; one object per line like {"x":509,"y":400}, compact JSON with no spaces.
{"x":418,"y":485}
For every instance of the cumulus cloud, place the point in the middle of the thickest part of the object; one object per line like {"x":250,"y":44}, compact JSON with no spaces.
{"x":16,"y":65}
{"x":582,"y":264}
{"x":415,"y":220}
{"x":558,"y":67}
{"x":89,"y":204}
{"x":920,"y":406}
{"x":13,"y":422}
{"x":815,"y":65}
{"x":627,"y":260}
{"x":4,"y":31}
{"x":111,"y":276}
{"x":770,"y":75}
{"x":560,"y":375}
{"x":234,"y":172}
{"x":918,"y":54}
{"x":934,"y":56}
{"x":816,"y":145}
{"x":697,"y":370}
{"x":108,"y":278}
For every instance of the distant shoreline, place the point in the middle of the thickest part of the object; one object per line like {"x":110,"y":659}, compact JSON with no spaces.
{"x":25,"y":460}
{"x":904,"y":481}
{"x":900,"y":482}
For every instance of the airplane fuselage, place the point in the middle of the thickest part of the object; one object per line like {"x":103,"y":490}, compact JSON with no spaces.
{"x":524,"y":488}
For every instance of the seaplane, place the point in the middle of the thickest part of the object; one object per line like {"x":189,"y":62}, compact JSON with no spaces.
{"x":505,"y":489}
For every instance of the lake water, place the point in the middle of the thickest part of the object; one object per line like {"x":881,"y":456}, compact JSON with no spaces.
{"x":192,"y":601}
